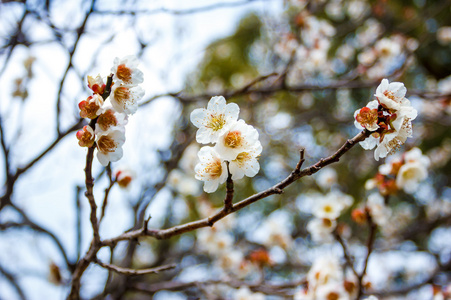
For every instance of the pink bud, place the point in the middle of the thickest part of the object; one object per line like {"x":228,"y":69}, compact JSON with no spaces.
{"x":86,"y":137}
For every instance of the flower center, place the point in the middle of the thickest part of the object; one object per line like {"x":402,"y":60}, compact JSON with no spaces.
{"x":107,"y":119}
{"x":122,"y":95}
{"x":409,"y":174}
{"x":327,"y":222}
{"x":390,"y":95}
{"x":216,"y":122}
{"x":242,"y":158}
{"x":124,"y":73}
{"x":367,"y":117}
{"x":106,"y":144}
{"x":233,"y":139}
{"x":333,"y":296}
{"x":328,"y":209}
{"x":214,"y":169}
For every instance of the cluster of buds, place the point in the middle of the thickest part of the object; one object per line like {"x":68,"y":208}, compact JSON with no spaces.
{"x":388,"y":118}
{"x":108,"y":108}
{"x":236,"y":144}
{"x":403,"y":172}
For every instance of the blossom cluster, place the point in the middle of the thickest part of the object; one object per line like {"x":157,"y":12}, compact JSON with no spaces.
{"x":109,"y":107}
{"x":402,"y":172}
{"x":326,"y":279}
{"x":388,"y":118}
{"x":236,"y":145}
{"x":326,"y":210}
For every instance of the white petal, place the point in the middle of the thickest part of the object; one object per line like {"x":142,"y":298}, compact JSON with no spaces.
{"x":232,"y":111}
{"x":211,"y":186}
{"x":236,"y":171}
{"x":252,"y":168}
{"x":203,"y":135}
{"x":198,"y":117}
{"x":217,"y":104}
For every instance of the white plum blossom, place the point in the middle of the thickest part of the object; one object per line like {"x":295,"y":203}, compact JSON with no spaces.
{"x":326,"y":178}
{"x":109,"y":118}
{"x":236,"y":148}
{"x":246,"y":163}
{"x":391,"y":95}
{"x":367,"y":116}
{"x":334,"y":290}
{"x":412,"y":171}
{"x":380,"y":213}
{"x":321,"y":230}
{"x":215,"y":120}
{"x":182,"y":183}
{"x":240,"y":137}
{"x":331,"y":205}
{"x":212,"y":169}
{"x":389,"y":118}
{"x":325,"y":269}
{"x":244,"y":293}
{"x":124,"y":98}
{"x":392,"y":141}
{"x":109,"y":145}
{"x":125,"y":70}
{"x":410,"y":175}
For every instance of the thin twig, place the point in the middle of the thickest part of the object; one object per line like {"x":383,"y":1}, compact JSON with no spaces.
{"x":369,"y":245}
{"x":107,"y":192}
{"x":132,"y":272}
{"x":347,"y":255}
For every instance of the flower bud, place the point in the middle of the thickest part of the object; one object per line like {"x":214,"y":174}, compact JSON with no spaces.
{"x":123,"y":178}
{"x":96,"y":84}
{"x":86,"y":137}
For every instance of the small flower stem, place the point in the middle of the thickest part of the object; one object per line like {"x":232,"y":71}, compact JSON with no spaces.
{"x":369,"y":245}
{"x":107,"y":192}
{"x":108,"y":85}
{"x":349,"y":260}
{"x":228,"y":201}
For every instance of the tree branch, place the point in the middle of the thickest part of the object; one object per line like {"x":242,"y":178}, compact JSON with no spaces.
{"x":276,"y":189}
{"x":133,"y":272}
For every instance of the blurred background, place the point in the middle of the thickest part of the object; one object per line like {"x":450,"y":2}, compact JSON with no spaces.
{"x":298,"y":71}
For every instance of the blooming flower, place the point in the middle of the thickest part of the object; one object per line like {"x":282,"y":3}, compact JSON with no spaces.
{"x":91,"y":107}
{"x":367,"y":116}
{"x":109,"y":118}
{"x":246,"y":163}
{"x":212,"y":169}
{"x":244,"y":293}
{"x":125,"y":98}
{"x":321,"y":229}
{"x":215,"y":120}
{"x":109,"y":145}
{"x":331,"y":205}
{"x":413,"y":171}
{"x":391,"y":95}
{"x":393,"y":141}
{"x":326,"y":178}
{"x":239,"y":138}
{"x":126,"y":71}
{"x":379,"y":212}
{"x":389,"y":118}
{"x":86,"y":136}
{"x":325,"y":269}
